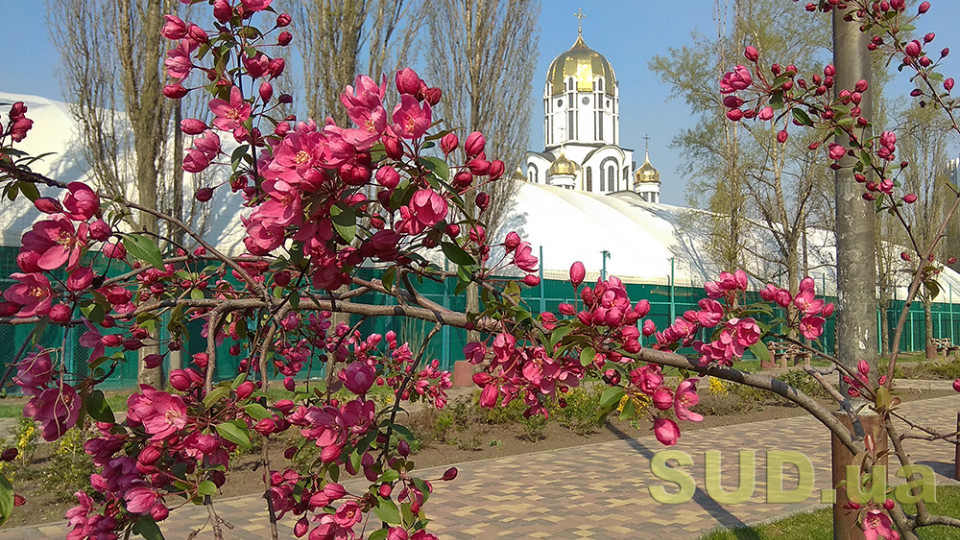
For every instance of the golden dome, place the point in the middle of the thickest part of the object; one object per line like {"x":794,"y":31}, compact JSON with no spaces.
{"x":563,"y":166}
{"x":647,"y":173}
{"x":584,"y":65}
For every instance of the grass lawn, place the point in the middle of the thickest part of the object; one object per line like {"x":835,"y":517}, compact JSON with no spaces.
{"x":818,"y":525}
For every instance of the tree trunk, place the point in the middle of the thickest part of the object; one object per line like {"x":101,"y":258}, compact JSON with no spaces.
{"x":856,"y":257}
{"x":930,"y":347}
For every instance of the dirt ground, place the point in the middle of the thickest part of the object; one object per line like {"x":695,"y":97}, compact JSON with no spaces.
{"x":475,"y":442}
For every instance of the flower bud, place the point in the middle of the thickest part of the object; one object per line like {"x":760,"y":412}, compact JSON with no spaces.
{"x":388,"y":177}
{"x":192,"y":126}
{"x":483,"y":201}
{"x":531,"y":280}
{"x":285,"y":99}
{"x":266,"y":91}
{"x":577,"y":273}
{"x":923,"y":7}
{"x":283,"y":20}
{"x":452,"y":472}
{"x":276,"y":67}
{"x":204,"y":194}
{"x":449,"y":142}
{"x":180,"y":380}
{"x":475,"y":144}
{"x":151,"y":361}
{"x":751,"y":54}
{"x":496,"y":169}
{"x":9,"y":454}
{"x":408,"y":82}
{"x":245,"y":389}
{"x":909,"y":198}
{"x":174,"y":91}
{"x":432,"y":95}
{"x":284,"y":39}
{"x":956,"y":385}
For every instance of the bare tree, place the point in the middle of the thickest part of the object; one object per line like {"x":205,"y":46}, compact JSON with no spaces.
{"x":112,"y":64}
{"x":486,"y":70}
{"x":924,"y":142}
{"x":336,"y":34}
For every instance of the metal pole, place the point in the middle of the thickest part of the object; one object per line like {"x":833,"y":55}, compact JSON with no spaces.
{"x":603,"y":269}
{"x":445,"y":333}
{"x":673,"y":290}
{"x":543,"y":298}
{"x":951,"y":316}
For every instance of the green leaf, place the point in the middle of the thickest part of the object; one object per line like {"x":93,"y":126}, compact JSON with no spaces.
{"x":388,"y":277}
{"x":207,"y":488}
{"x":6,"y":499}
{"x":98,"y":408}
{"x":215,"y":395}
{"x":379,"y":534}
{"x":760,"y":351}
{"x":388,"y":512}
{"x":345,"y":222}
{"x":30,"y":190}
{"x":801,"y":117}
{"x":457,"y":255}
{"x":404,"y":432}
{"x":295,"y":299}
{"x":144,"y":249}
{"x":235,"y":434}
{"x":628,"y":411}
{"x":436,"y":165}
{"x":611,"y":396}
{"x":586,"y":356}
{"x":257,"y":411}
{"x":390,"y":475}
{"x":559,"y":334}
{"x":147,"y":528}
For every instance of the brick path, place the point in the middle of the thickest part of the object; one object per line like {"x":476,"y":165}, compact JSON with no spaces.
{"x":598,"y":490}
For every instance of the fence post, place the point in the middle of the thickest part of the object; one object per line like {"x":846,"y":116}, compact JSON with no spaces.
{"x":543,"y":298}
{"x":673,"y":292}
{"x":951,"y":313}
{"x":445,"y":332}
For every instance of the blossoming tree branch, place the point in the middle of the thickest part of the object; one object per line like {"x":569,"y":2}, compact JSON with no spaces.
{"x":391,"y":192}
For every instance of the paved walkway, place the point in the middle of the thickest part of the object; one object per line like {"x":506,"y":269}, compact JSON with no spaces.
{"x":599,"y":490}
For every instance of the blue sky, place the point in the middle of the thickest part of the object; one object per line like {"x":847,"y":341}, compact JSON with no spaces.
{"x":628,"y":32}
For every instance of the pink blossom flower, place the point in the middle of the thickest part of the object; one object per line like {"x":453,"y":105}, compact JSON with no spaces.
{"x":358,"y":377}
{"x":57,"y":409}
{"x":426,"y":209}
{"x":81,"y":203}
{"x":92,"y":340}
{"x":685,"y":397}
{"x":178,"y":61}
{"x":877,"y":524}
{"x":32,"y":294}
{"x":230,"y":114}
{"x":811,"y":326}
{"x":348,"y":514}
{"x":34,"y":372}
{"x":666,"y":431}
{"x":738,"y":79}
{"x":57,"y":242}
{"x":140,"y":499}
{"x":160,"y":413}
{"x":410,"y":119}
{"x":256,"y":5}
{"x":523,"y":257}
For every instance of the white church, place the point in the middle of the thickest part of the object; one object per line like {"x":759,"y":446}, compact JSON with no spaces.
{"x":581,"y":127}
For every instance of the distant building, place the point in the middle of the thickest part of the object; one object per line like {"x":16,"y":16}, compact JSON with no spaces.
{"x":581,"y":126}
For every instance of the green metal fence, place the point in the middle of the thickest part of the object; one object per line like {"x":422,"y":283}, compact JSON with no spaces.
{"x":666,"y":303}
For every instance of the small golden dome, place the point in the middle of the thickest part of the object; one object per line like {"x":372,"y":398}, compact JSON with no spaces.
{"x":647,"y":173}
{"x":518,"y":175}
{"x":563,"y":166}
{"x":584,"y":65}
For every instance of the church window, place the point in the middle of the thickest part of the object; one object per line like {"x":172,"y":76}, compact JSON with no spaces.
{"x":571,"y":134}
{"x":600,"y":125}
{"x":585,"y":100}
{"x":570,"y":100}
{"x":600,"y":84}
{"x":612,"y":173}
{"x":589,"y":179}
{"x":532,"y":174}
{"x":603,"y":180}
{"x":559,"y":103}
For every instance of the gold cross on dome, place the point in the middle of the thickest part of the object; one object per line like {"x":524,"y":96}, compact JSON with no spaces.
{"x":580,"y":16}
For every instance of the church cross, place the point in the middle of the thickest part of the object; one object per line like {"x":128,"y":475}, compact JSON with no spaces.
{"x":646,"y":139}
{"x":580,"y":16}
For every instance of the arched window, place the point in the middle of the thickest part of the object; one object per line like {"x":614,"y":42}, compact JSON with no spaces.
{"x":532,"y":174}
{"x":600,"y":84}
{"x":589,"y":179}
{"x":608,"y":170}
{"x":603,"y":179}
{"x":612,"y":174}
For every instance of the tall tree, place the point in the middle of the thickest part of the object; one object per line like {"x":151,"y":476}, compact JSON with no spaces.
{"x":112,"y":61}
{"x":486,"y":70}
{"x":924,"y":141}
{"x":490,"y":51}
{"x":337,"y":34}
{"x":742,"y":173}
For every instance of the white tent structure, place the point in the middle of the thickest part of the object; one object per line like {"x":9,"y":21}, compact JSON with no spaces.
{"x":638,"y":241}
